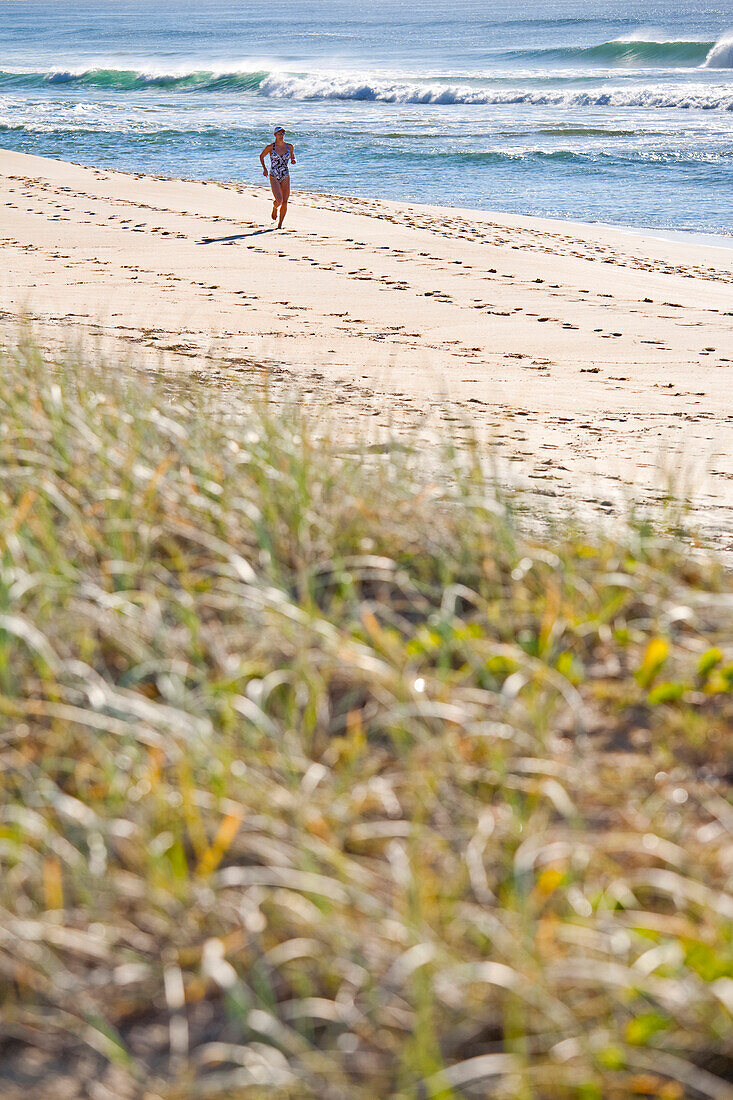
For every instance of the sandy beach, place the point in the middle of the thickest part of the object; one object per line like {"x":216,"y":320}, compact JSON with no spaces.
{"x":594,"y":358}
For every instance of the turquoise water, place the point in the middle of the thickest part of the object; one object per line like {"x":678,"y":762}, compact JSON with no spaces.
{"x":619,"y":112}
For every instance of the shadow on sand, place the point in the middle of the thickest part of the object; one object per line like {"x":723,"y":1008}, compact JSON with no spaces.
{"x":237,"y":236}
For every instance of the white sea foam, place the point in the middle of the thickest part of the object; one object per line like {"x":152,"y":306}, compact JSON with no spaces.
{"x":437,"y":90}
{"x":367,"y":88}
{"x":721,"y":55}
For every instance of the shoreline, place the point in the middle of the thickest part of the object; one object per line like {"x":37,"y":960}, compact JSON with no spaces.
{"x":594,"y":359}
{"x":682,"y":236}
{"x":697,"y":237}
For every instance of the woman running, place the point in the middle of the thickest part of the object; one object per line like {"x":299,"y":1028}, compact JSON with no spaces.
{"x":281,"y":154}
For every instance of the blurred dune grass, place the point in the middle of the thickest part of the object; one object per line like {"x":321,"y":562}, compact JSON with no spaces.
{"x":322,"y":778}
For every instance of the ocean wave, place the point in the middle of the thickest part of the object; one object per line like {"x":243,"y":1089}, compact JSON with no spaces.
{"x":370,"y":88}
{"x":129,"y":80}
{"x":584,"y":131}
{"x":633,"y":53}
{"x":630,"y":52}
{"x":520,"y":157}
{"x":139,"y":134}
{"x":581,"y":157}
{"x":323,"y":87}
{"x":721,"y":55}
{"x":436,"y":92}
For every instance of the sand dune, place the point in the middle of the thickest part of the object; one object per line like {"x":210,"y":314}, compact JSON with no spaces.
{"x":594,"y":357}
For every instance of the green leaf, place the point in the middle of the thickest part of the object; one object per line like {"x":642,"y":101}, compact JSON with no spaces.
{"x":710,"y":658}
{"x":721,"y":680}
{"x":612,"y":1057}
{"x":710,"y":963}
{"x":570,"y":667}
{"x":667,"y":692}
{"x":641,"y":1029}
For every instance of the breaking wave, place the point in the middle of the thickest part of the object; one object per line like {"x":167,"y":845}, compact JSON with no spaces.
{"x":370,"y":88}
{"x":721,"y":55}
{"x":288,"y":86}
{"x":621,"y":52}
{"x":636,"y":53}
{"x":130,"y":80}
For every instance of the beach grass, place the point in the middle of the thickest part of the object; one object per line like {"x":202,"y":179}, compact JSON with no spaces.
{"x":322,"y":777}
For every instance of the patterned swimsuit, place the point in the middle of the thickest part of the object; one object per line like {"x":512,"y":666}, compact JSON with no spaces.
{"x":279,"y":164}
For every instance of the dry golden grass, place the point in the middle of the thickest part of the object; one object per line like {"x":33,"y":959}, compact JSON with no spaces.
{"x":320,"y":778}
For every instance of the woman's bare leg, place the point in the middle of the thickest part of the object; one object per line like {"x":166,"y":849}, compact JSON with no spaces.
{"x":285,"y":188}
{"x":277,"y":196}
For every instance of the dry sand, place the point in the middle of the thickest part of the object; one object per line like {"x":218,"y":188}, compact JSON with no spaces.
{"x":594,"y":358}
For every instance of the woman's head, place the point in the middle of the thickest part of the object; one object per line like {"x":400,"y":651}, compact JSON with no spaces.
{"x":279,"y":133}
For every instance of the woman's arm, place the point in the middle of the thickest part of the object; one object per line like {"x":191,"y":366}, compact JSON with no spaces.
{"x":263,"y":154}
{"x":292,"y":154}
